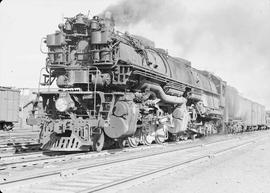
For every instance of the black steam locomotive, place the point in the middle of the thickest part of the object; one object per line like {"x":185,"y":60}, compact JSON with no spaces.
{"x":116,"y":87}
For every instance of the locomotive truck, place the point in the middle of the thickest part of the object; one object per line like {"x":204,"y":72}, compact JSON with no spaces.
{"x":115,"y":87}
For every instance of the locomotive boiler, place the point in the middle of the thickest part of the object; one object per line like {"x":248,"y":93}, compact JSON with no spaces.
{"x":116,"y":87}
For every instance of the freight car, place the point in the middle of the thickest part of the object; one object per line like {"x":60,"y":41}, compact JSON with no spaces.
{"x":243,"y":114}
{"x":267,"y":119}
{"x":116,"y":87}
{"x":9,"y":107}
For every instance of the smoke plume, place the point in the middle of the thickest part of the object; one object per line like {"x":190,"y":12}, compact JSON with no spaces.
{"x":130,"y":12}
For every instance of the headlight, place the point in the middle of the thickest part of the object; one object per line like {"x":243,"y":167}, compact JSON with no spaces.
{"x":61,"y":104}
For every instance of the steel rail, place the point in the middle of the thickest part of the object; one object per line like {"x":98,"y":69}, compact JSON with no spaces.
{"x":118,"y":160}
{"x":63,"y":155}
{"x":58,"y":157}
{"x":181,"y":163}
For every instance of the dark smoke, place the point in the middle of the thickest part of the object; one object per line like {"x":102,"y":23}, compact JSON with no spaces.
{"x":131,"y":12}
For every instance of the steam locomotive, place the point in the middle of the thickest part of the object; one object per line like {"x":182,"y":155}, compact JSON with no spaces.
{"x":116,"y":88}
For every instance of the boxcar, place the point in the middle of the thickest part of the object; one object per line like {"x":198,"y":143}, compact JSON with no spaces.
{"x":9,"y":107}
{"x":259,"y":114}
{"x":240,"y":109}
{"x":267,"y":118}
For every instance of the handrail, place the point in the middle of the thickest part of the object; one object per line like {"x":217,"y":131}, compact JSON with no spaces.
{"x":39,"y":82}
{"x":95,"y":86}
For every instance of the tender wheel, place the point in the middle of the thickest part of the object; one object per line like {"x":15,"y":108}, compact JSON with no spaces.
{"x":99,"y":140}
{"x":133,"y":141}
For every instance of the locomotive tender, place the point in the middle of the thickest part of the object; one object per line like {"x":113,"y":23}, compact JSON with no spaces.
{"x":115,"y":87}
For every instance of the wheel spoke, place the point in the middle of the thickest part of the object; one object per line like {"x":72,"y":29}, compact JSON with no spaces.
{"x":133,"y":141}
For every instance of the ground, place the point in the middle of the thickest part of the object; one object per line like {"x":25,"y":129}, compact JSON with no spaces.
{"x":243,"y":171}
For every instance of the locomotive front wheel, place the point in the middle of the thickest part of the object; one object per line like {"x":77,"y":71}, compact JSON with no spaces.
{"x":99,"y":142}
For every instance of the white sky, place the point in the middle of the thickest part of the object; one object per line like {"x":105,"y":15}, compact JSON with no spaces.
{"x":227,"y":37}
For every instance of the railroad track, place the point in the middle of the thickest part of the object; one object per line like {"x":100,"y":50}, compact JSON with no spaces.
{"x":24,"y":154}
{"x":112,"y":171}
{"x":18,"y":140}
{"x":18,"y":136}
{"x":18,"y":148}
{"x":41,"y":158}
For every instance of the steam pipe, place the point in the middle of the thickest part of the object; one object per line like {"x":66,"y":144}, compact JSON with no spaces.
{"x":164,"y":97}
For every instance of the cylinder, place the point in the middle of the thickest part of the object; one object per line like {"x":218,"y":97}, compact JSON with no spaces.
{"x":94,"y":25}
{"x":104,"y":37}
{"x":50,"y":40}
{"x":96,"y":37}
{"x":123,"y":121}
